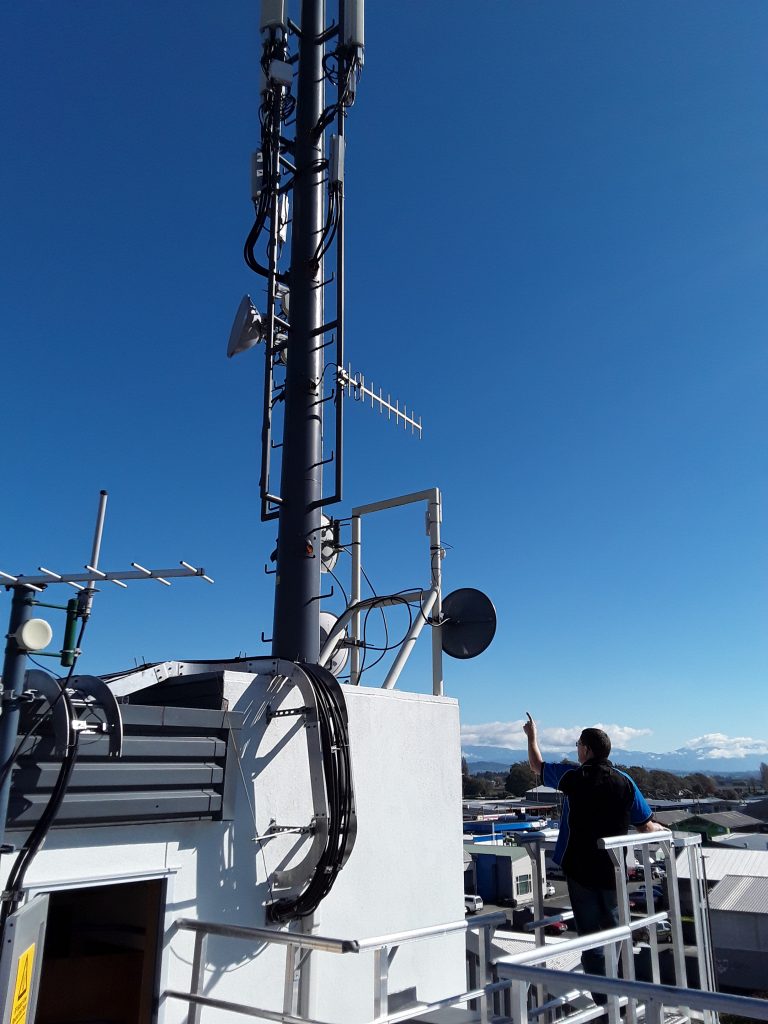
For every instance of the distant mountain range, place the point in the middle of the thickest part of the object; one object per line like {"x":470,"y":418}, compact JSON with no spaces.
{"x":683,"y":761}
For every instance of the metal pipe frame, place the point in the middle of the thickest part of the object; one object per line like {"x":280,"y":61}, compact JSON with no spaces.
{"x":431,"y":598}
{"x":354,"y":608}
{"x":434,"y":518}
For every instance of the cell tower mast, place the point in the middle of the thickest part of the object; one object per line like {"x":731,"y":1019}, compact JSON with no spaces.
{"x":297,"y":192}
{"x":296,"y":627}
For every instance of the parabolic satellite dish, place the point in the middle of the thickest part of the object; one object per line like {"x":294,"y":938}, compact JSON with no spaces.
{"x":469,"y":623}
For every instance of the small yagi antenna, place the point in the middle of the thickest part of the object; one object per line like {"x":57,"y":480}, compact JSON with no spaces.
{"x":361,"y":391}
{"x":92,"y":575}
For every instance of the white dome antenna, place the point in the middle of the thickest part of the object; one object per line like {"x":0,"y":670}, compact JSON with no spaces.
{"x":247,"y":328}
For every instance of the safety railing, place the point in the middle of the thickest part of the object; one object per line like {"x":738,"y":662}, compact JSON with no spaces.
{"x":521,"y":988}
{"x":298,"y":946}
{"x":626,"y":995}
{"x":638,"y":999}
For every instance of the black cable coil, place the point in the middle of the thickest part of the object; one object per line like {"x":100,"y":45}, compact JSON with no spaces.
{"x":337,"y":772}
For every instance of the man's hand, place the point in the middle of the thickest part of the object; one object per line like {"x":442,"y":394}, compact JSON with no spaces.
{"x":534,"y":754}
{"x":650,"y":826}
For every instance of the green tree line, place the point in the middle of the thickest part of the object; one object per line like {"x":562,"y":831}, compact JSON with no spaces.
{"x":653,"y":782}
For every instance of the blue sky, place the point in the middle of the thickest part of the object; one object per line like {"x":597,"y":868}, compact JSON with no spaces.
{"x":557,"y":253}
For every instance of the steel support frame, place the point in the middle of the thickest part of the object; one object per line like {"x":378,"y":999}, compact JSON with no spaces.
{"x":433,"y":499}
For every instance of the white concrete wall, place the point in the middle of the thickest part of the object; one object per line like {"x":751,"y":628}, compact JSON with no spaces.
{"x":405,"y":871}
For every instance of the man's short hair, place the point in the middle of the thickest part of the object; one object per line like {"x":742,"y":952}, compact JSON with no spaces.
{"x":597,"y":741}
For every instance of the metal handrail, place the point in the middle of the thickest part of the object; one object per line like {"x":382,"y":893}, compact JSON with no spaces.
{"x":296,"y":942}
{"x":644,"y":991}
{"x":333,"y":945}
{"x":578,"y":945}
{"x":398,"y":938}
{"x":232,"y":931}
{"x":513,"y":975}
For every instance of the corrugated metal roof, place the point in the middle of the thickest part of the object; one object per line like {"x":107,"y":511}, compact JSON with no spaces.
{"x":743,"y":841}
{"x":721,"y":863}
{"x":745,"y":895}
{"x":671,"y":817}
{"x":729,"y":819}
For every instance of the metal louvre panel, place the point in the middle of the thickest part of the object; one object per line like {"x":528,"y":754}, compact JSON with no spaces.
{"x":173,"y":766}
{"x":114,"y":774}
{"x":129,"y":806}
{"x":146,"y":747}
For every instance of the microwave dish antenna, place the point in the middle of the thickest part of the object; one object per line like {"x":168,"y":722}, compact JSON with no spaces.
{"x":247,"y":328}
{"x":469,"y":623}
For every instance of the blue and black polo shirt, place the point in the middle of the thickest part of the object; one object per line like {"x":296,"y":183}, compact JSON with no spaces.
{"x":599,"y":801}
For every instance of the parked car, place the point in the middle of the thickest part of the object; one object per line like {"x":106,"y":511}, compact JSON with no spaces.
{"x":658,"y":891}
{"x":663,"y":932}
{"x":555,"y":928}
{"x":637,"y":874}
{"x":472,"y":904}
{"x":639,"y":900}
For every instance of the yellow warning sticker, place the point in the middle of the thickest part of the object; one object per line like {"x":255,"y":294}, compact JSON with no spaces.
{"x":23,"y":988}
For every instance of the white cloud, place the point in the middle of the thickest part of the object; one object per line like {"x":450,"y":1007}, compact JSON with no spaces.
{"x":552,"y":738}
{"x":717,"y":744}
{"x":624,"y":736}
{"x":494,"y":734}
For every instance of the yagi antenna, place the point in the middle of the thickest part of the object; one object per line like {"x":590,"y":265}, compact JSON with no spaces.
{"x":87,"y":580}
{"x":361,"y":391}
{"x":93,"y":576}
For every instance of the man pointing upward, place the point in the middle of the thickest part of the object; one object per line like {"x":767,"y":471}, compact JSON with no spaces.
{"x":599,"y":801}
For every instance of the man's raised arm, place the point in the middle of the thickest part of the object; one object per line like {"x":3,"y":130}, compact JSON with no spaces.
{"x":535,"y":759}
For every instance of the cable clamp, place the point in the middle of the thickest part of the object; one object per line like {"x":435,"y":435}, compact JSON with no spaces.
{"x":276,"y":830}
{"x":285,"y":712}
{"x":12,"y":700}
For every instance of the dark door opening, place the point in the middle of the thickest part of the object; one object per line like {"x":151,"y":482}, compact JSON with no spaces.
{"x":100,"y":962}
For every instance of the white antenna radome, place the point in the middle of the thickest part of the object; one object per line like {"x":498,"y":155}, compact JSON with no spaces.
{"x":247,"y":328}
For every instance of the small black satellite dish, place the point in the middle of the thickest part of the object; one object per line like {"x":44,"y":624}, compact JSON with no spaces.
{"x":469,"y":623}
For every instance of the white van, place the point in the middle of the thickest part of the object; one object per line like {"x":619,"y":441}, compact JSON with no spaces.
{"x":472,"y":904}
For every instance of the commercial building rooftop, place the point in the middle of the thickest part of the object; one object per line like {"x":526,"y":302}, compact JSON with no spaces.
{"x":721,"y":863}
{"x":747,"y":894}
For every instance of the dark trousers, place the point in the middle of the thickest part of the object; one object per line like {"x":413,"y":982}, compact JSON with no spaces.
{"x":593,"y":911}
